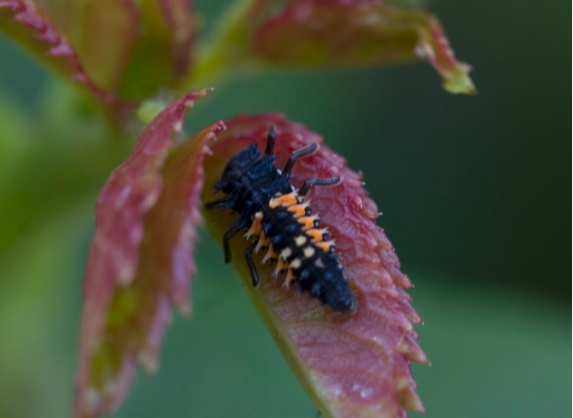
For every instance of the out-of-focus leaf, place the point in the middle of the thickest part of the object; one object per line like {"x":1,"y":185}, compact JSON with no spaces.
{"x":15,"y":141}
{"x":134,"y":47}
{"x":131,"y":48}
{"x":328,"y":33}
{"x":37,"y":159}
{"x":25,"y":22}
{"x":103,"y":32}
{"x":351,"y":365}
{"x":162,"y":55}
{"x":230,"y":49}
{"x":139,"y":260}
{"x":359,"y":32}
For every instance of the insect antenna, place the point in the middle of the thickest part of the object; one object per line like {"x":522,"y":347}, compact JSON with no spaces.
{"x":317,"y":182}
{"x":296,"y":155}
{"x":271,"y":137}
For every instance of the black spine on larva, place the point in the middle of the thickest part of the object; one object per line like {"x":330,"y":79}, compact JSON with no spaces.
{"x":249,"y":181}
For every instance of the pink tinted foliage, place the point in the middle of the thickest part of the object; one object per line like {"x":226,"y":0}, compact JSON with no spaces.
{"x":358,"y":32}
{"x":351,"y":365}
{"x":140,"y":258}
{"x":27,"y":23}
{"x":113,"y":47}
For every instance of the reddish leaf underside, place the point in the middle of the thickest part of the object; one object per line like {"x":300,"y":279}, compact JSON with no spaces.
{"x":25,"y":22}
{"x":351,"y":365}
{"x":140,"y":259}
{"x":359,"y":32}
{"x":140,"y":262}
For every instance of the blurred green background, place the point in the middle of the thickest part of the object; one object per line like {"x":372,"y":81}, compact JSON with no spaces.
{"x":475,"y":195}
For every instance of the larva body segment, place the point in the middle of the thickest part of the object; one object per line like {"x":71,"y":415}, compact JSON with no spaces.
{"x":278,"y":220}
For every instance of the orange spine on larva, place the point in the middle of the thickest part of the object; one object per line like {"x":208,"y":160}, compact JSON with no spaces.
{"x":256,"y":227}
{"x":307,"y":222}
{"x":298,"y":210}
{"x":315,"y":234}
{"x":285,"y":200}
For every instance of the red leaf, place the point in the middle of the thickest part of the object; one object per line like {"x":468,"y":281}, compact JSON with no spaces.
{"x":23,"y":20}
{"x":359,"y":32}
{"x":351,"y":365}
{"x":139,"y":262}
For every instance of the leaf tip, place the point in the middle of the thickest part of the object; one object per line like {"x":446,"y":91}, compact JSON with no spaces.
{"x":458,"y":81}
{"x":409,"y":399}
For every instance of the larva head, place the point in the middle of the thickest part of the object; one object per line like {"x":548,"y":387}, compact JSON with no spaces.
{"x":236,"y":166}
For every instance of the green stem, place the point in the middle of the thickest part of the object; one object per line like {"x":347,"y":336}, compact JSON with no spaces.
{"x":227,"y":53}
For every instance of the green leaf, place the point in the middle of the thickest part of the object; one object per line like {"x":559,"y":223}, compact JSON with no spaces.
{"x":162,"y":56}
{"x":103,"y":32}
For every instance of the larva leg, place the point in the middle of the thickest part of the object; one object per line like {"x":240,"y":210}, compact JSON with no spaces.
{"x":215,"y":203}
{"x":251,"y":264}
{"x":228,"y":235}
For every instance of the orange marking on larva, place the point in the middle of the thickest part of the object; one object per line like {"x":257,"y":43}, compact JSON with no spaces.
{"x":256,"y":226}
{"x":270,"y":254}
{"x":297,"y":210}
{"x":289,"y":278}
{"x":263,"y":242}
{"x":286,"y":200}
{"x":280,"y":267}
{"x":324,"y":231}
{"x":307,"y":222}
{"x":315,"y":234}
{"x":324,"y":246}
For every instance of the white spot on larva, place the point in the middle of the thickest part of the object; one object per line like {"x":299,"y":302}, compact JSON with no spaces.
{"x":308,"y":252}
{"x":300,"y":240}
{"x":295,"y":263}
{"x":286,"y":253}
{"x":318,"y":263}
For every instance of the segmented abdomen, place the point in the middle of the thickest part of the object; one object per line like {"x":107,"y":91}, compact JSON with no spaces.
{"x":292,"y":237}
